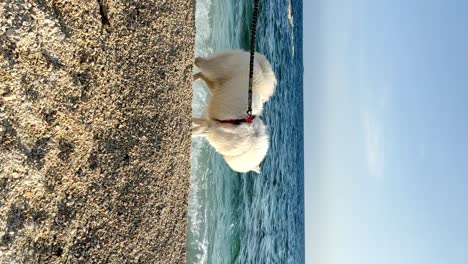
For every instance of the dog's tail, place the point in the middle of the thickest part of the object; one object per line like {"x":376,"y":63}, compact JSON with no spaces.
{"x":268,"y":81}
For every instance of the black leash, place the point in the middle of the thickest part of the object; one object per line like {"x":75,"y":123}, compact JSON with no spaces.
{"x":253,"y":34}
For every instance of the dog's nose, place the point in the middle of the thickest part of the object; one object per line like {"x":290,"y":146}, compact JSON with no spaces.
{"x":257,"y":169}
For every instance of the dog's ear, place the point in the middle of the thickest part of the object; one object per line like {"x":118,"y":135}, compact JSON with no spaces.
{"x":257,"y":169}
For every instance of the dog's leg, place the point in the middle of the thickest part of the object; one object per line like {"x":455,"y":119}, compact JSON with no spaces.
{"x":209,"y":83}
{"x":197,"y":76}
{"x":201,"y":76}
{"x":199,"y":127}
{"x":199,"y":132}
{"x":199,"y":121}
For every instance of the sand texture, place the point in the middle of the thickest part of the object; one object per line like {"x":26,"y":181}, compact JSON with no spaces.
{"x":95,"y":108}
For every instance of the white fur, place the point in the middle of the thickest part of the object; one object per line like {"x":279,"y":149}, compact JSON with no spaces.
{"x":226,"y":74}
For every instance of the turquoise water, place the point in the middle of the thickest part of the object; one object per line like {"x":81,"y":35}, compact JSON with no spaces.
{"x":250,"y":218}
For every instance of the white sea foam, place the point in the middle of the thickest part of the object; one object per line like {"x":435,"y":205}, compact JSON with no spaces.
{"x":198,"y":210}
{"x":291,"y":23}
{"x":290,"y":15}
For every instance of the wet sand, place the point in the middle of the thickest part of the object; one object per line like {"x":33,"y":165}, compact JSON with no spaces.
{"x":95,"y":109}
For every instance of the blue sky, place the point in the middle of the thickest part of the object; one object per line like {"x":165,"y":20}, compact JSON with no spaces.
{"x":386,"y":131}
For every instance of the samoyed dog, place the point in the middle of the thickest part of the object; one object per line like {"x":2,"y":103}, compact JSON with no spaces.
{"x":242,"y":141}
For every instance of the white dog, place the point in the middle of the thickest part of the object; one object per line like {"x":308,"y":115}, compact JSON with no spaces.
{"x":243,"y":142}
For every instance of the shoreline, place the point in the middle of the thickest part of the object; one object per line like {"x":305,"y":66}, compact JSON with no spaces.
{"x":95,"y":118}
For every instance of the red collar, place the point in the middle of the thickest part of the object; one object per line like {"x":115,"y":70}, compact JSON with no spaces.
{"x":237,"y":121}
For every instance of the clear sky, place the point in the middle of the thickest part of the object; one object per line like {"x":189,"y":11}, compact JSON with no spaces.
{"x":386,"y":131}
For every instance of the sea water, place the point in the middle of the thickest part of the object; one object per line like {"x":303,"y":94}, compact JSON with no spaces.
{"x":251,"y":218}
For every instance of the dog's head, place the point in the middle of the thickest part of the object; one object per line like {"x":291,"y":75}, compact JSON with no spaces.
{"x":258,"y":144}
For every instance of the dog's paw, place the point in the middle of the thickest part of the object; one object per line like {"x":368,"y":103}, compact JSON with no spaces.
{"x":197,"y":76}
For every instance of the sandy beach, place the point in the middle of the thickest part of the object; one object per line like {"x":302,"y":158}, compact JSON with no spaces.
{"x":95,"y":109}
